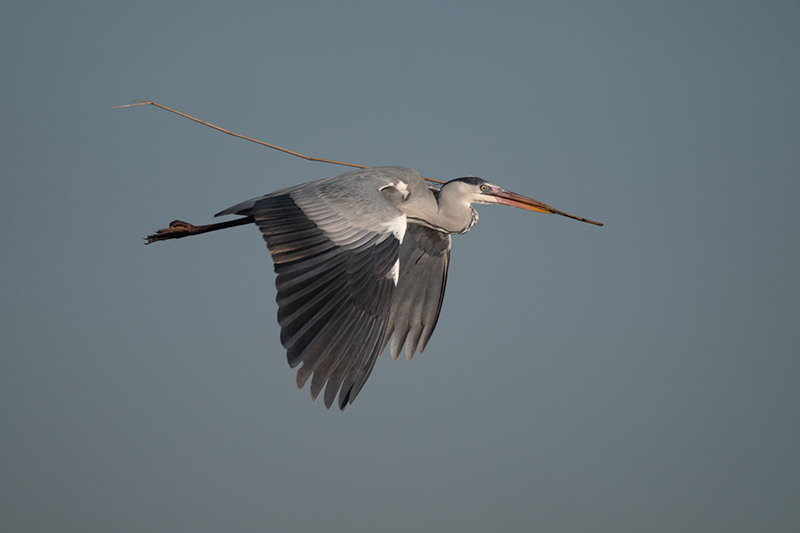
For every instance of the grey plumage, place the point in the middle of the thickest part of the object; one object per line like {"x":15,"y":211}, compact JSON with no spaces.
{"x":361,"y":262}
{"x":334,"y":254}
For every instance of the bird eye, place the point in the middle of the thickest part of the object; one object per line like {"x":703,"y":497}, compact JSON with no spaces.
{"x":484,"y":188}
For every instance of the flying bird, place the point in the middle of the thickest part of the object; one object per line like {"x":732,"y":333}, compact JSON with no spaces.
{"x":361,"y":262}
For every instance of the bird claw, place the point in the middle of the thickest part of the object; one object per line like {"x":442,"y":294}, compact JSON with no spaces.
{"x":176,"y":230}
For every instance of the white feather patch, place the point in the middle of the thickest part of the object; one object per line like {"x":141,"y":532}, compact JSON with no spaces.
{"x":395,"y":273}
{"x":402,"y":186}
{"x":398,"y":227}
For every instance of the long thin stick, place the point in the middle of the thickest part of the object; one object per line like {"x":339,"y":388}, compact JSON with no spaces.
{"x":268,"y":145}
{"x":262,"y":143}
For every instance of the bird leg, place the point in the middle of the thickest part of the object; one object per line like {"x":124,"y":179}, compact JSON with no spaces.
{"x":178,"y":229}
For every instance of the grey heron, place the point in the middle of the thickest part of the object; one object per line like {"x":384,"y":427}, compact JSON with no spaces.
{"x":361,"y":262}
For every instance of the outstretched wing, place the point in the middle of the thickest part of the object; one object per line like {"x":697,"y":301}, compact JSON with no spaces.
{"x":335,"y":247}
{"x":424,"y":260}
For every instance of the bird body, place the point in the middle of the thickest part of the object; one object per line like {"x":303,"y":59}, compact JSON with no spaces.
{"x":361,"y":262}
{"x":337,"y":244}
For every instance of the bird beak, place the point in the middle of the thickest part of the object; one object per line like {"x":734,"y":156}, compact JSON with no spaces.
{"x":517,"y":200}
{"x":523,"y":202}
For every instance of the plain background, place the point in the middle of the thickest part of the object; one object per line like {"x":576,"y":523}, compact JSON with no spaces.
{"x":643,"y":376}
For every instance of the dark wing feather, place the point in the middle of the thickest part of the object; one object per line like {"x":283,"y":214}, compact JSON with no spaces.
{"x":335,"y":289}
{"x":424,"y":260}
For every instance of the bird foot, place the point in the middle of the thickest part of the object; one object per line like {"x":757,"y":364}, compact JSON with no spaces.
{"x":176,"y":230}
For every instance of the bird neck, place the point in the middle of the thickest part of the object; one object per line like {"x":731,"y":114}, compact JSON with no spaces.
{"x":453,"y":213}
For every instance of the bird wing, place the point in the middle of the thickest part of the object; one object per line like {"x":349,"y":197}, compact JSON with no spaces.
{"x":424,"y":260}
{"x":335,"y":245}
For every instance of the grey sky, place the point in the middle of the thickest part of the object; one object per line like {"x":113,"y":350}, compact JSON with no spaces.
{"x":643,"y":376}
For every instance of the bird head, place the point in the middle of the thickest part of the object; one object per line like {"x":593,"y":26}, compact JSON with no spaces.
{"x":479,"y":191}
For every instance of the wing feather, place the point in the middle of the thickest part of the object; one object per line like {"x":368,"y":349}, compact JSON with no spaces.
{"x":424,"y":260}
{"x":335,"y":286}
{"x":336,"y":244}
